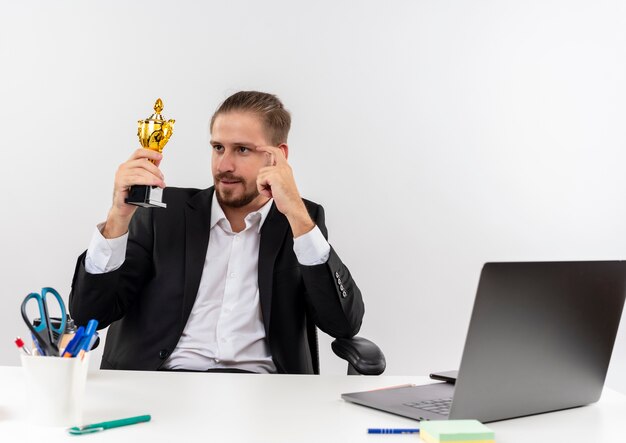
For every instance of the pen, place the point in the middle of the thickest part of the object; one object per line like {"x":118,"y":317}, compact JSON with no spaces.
{"x":71,"y":346}
{"x":20,"y":344}
{"x":97,"y":427}
{"x":93,"y":341}
{"x":392,"y":431}
{"x":83,"y":346}
{"x":37,"y":345}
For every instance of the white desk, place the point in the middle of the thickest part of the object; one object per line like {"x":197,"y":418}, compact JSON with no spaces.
{"x":212,"y":408}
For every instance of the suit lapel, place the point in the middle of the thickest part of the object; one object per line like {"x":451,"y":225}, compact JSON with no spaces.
{"x":197,"y":222}
{"x":272,"y":235}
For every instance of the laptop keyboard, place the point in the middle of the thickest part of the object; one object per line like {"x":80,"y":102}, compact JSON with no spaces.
{"x":438,"y":406}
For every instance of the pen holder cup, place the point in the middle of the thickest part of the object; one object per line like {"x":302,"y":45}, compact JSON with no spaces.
{"x":56,"y":388}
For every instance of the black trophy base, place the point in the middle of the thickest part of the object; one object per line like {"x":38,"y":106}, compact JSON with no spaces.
{"x":146,"y":196}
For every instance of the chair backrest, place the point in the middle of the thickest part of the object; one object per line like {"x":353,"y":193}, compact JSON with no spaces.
{"x":311,"y":332}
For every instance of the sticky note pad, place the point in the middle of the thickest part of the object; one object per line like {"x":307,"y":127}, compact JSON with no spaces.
{"x":455,"y":431}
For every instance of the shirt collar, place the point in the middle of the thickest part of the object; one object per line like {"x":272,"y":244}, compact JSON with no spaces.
{"x":217,"y":214}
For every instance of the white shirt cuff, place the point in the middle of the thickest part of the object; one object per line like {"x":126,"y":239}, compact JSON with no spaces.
{"x":311,"y":248}
{"x":105,"y":255}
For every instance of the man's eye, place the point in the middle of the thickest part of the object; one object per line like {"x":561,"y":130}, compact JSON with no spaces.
{"x":243,"y":149}
{"x":218,"y":148}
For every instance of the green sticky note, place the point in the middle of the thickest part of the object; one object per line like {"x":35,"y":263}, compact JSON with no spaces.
{"x":456,"y":430}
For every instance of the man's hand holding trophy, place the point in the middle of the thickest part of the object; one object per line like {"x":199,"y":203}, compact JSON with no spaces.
{"x":154,"y":133}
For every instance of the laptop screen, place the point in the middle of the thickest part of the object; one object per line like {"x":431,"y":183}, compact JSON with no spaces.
{"x":540,"y":338}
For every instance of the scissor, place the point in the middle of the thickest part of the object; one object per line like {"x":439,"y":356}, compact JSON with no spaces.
{"x":43,"y":332}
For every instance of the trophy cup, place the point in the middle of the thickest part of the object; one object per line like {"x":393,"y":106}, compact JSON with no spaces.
{"x":154,"y":133}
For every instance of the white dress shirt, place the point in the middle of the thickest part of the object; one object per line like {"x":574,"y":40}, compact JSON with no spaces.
{"x":225,"y":328}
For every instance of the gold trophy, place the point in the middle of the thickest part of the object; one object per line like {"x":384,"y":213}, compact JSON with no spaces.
{"x":154,"y":133}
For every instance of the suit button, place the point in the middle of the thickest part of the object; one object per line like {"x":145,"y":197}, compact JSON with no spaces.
{"x":344,"y":294}
{"x":338,"y":281}
{"x":342,"y":288}
{"x":163,"y":353}
{"x":337,"y":274}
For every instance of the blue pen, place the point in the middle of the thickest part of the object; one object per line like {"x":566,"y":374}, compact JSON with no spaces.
{"x":37,"y":345}
{"x":392,"y":431}
{"x":89,"y":332}
{"x":92,"y":341}
{"x":71,"y":346}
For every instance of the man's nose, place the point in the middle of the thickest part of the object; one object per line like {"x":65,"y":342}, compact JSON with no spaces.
{"x":226,"y":162}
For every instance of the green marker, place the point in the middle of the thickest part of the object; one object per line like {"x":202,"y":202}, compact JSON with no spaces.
{"x":97,"y":427}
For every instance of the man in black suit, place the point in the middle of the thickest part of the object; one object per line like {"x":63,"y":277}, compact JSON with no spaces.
{"x":231,"y":278}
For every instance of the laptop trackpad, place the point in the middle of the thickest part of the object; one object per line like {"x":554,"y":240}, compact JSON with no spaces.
{"x":408,"y":401}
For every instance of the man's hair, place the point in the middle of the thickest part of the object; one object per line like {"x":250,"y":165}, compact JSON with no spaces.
{"x":275,"y":118}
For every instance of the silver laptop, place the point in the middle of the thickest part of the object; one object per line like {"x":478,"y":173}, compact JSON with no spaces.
{"x":540,"y":339}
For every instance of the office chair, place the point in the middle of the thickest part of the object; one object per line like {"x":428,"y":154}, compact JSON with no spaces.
{"x":362,"y":355}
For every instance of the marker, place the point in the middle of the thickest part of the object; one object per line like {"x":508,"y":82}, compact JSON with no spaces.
{"x":392,"y":431}
{"x":20,"y":344}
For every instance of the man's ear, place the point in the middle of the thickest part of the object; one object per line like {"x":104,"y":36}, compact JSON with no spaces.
{"x":283,"y":147}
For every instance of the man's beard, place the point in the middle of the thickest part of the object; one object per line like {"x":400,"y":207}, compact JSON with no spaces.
{"x":226,"y":198}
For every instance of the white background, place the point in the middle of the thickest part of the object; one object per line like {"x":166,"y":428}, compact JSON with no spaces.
{"x":437,"y":134}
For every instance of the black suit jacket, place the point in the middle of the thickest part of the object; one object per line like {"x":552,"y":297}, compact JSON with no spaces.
{"x":148,"y":300}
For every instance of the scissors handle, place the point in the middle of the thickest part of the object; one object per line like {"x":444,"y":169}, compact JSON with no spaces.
{"x":40,"y":332}
{"x":43,"y":332}
{"x":61,"y":329}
